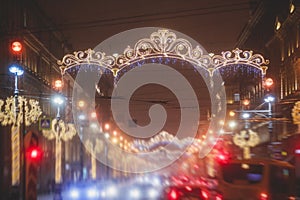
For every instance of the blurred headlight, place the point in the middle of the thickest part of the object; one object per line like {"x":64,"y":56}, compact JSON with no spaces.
{"x":92,"y":193}
{"x":135,"y":193}
{"x":111,"y":191}
{"x":74,"y":193}
{"x":153,"y":193}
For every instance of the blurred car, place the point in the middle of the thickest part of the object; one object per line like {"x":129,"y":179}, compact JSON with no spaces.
{"x":91,"y":191}
{"x":139,"y":191}
{"x":82,"y":190}
{"x":190,"y":192}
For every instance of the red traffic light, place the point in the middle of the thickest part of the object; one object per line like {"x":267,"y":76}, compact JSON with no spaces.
{"x":16,"y":47}
{"x":34,"y":154}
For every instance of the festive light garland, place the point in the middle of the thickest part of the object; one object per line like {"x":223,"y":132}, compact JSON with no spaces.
{"x":59,"y":131}
{"x":28,"y":109}
{"x":245,"y":140}
{"x":95,"y":147}
{"x":163,"y":46}
{"x":162,"y":43}
{"x":296,"y":113}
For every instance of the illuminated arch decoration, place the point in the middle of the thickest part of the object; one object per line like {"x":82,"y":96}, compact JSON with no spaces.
{"x":163,"y":43}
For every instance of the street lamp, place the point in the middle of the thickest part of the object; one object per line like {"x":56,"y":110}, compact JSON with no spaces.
{"x":11,"y":115}
{"x":17,"y":70}
{"x":270,"y":99}
{"x":58,"y":100}
{"x":18,"y":149}
{"x":60,"y":131}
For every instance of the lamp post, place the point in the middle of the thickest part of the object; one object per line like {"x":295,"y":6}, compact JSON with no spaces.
{"x":95,"y":147}
{"x":270,"y":99}
{"x":59,"y":131}
{"x":16,"y":139}
{"x":18,"y":110}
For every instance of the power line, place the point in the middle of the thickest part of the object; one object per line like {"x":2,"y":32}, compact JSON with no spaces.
{"x":145,"y":17}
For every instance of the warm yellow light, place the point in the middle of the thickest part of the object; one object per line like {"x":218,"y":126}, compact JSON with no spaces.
{"x":106,"y":135}
{"x":93,"y":115}
{"x":246,"y":102}
{"x":292,"y":8}
{"x":277,"y":24}
{"x":121,"y":138}
{"x":232,"y":124}
{"x":58,"y":84}
{"x":115,"y":133}
{"x":245,"y":166}
{"x":81,"y":103}
{"x":231,"y":113}
{"x":106,"y":126}
{"x":115,"y":140}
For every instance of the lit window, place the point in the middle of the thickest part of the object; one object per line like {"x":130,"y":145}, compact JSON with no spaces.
{"x":236,"y":97}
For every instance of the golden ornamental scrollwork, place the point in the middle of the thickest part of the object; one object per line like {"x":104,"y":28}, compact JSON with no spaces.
{"x":60,"y":131}
{"x":238,"y":56}
{"x":95,"y":146}
{"x":28,"y":110}
{"x":8,"y":114}
{"x":163,"y":43}
{"x":245,"y":140}
{"x":86,"y":57}
{"x":296,"y":113}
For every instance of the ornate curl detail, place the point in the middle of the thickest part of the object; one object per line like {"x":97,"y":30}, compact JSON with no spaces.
{"x":86,"y":57}
{"x":60,"y":131}
{"x":238,"y":56}
{"x":30,"y":107}
{"x":163,"y":43}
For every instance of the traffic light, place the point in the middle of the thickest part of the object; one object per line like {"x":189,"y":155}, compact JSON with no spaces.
{"x":34,"y":154}
{"x":33,"y":157}
{"x":16,"y":49}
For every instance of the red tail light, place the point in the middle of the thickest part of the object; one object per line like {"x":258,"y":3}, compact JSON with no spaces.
{"x":263,"y":196}
{"x":204,"y":194}
{"x":173,"y":194}
{"x":219,"y":197}
{"x":188,"y":188}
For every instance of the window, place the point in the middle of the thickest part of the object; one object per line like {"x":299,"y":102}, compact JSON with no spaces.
{"x":237,"y":173}
{"x":281,"y":179}
{"x":236,"y":97}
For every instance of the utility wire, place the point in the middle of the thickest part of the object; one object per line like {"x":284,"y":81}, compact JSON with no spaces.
{"x":146,"y":17}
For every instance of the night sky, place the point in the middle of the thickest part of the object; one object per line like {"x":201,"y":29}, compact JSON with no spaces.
{"x":215,"y":24}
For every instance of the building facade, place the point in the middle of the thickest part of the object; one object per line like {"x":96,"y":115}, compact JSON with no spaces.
{"x":43,"y":45}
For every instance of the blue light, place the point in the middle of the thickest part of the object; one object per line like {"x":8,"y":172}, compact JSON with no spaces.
{"x":245,"y":115}
{"x":16,"y":69}
{"x":269,"y":98}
